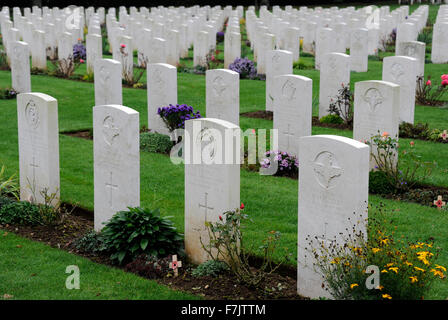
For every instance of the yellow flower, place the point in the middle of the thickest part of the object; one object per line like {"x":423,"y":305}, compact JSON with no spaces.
{"x":357,"y":250}
{"x":389,"y":265}
{"x":438,"y":273}
{"x":385,"y":241}
{"x":419,"y":269}
{"x":408,"y":263}
{"x":386,"y":296}
{"x":375,"y":250}
{"x":353,"y":285}
{"x":335,"y":261}
{"x":380,"y":287}
{"x":440,"y":267}
{"x":384,"y":271}
{"x":394,"y":269}
{"x":413,"y":279}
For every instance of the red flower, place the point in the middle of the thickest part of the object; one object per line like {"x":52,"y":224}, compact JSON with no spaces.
{"x":220,"y":218}
{"x":242,"y":206}
{"x":123,"y":45}
{"x":428,"y":83}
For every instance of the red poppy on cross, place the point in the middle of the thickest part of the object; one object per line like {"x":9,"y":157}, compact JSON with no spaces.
{"x":175,"y":265}
{"x":439,"y":203}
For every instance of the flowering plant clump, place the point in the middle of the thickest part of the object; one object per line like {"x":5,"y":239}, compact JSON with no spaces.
{"x":288,"y":165}
{"x":404,"y":270}
{"x":245,"y":67}
{"x":388,"y":159}
{"x":429,"y":94}
{"x":79,"y":52}
{"x":174,"y":116}
{"x":219,"y":36}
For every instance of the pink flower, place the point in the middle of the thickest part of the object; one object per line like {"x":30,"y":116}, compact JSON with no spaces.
{"x":412,"y":143}
{"x":123,"y":45}
{"x":213,"y":58}
{"x":444,"y":77}
{"x":385,"y":134}
{"x":428,"y":83}
{"x":81,"y":60}
{"x":444,"y":82}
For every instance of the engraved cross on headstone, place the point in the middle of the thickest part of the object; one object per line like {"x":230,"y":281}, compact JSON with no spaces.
{"x":206,"y":206}
{"x":34,"y":166}
{"x":324,"y":242}
{"x":288,"y":135}
{"x":111,"y":187}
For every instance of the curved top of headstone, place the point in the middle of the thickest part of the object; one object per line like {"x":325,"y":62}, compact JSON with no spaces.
{"x":161,"y":65}
{"x":116,"y":107}
{"x":107,"y":61}
{"x":36,"y":95}
{"x":337,"y":139}
{"x":375,"y":83}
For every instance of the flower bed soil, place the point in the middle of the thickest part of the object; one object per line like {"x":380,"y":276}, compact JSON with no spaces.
{"x":280,"y":285}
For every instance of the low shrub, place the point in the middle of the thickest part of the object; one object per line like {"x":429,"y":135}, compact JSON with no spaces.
{"x":332,"y":119}
{"x":227,"y":245}
{"x":155,"y":142}
{"x":211,"y":268}
{"x":92,"y":242}
{"x":20,"y":213}
{"x":5,"y":201}
{"x":385,"y":154}
{"x":342,"y":105}
{"x":129,"y":234}
{"x":379,"y":184}
{"x":414,"y":131}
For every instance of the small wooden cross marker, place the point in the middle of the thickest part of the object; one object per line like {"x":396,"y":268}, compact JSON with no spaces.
{"x":439,"y":203}
{"x":175,"y":265}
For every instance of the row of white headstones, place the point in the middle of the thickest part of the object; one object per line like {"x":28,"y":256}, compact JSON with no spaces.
{"x":326,"y":162}
{"x":155,"y":42}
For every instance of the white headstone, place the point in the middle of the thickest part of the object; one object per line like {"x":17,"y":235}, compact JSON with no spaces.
{"x":116,"y":132}
{"x":439,"y":50}
{"x":38,"y":147}
{"x":402,"y":70}
{"x":39,"y":52}
{"x":278,"y":62}
{"x":162,"y":91}
{"x":293,"y":98}
{"x":334,"y":74}
{"x":232,"y":47}
{"x":223,"y":95}
{"x":359,"y":50}
{"x":108,"y":84}
{"x":414,"y":49}
{"x":333,"y":188}
{"x":212,"y":179}
{"x":377,"y":110}
{"x":20,"y":67}
{"x":94,"y":50}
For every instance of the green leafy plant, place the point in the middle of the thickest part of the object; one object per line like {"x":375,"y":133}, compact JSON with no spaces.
{"x":211,"y":268}
{"x":430,"y":94}
{"x":64,"y":68}
{"x":92,"y":242}
{"x":379,"y":183}
{"x":20,"y":213}
{"x":331,"y":118}
{"x":155,"y":142}
{"x":4,"y":65}
{"x":388,"y":160}
{"x":140,"y":231}
{"x":7,"y":93}
{"x":227,"y":245}
{"x":406,"y":269}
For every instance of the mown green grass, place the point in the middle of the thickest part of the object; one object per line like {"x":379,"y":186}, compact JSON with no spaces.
{"x":270,"y":201}
{"x":31,"y":270}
